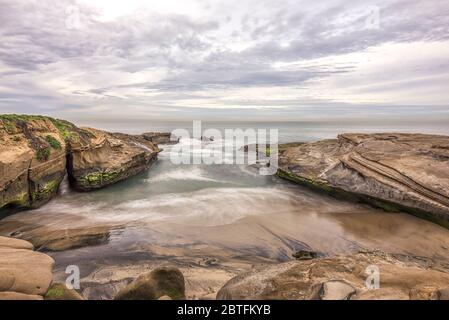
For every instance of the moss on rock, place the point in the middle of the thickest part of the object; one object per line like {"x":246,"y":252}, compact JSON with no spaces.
{"x":158,"y":283}
{"x":43,"y":154}
{"x":59,"y":291}
{"x":53,"y":142}
{"x":99,"y":178}
{"x":45,"y":192}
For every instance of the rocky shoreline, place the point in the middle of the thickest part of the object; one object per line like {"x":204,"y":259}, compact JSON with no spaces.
{"x":341,"y":278}
{"x":37,"y":152}
{"x":394,"y":172}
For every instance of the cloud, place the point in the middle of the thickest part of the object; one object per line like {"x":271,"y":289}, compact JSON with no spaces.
{"x":179,"y":59}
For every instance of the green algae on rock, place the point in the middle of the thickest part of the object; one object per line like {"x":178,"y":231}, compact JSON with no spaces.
{"x":33,"y":159}
{"x":165,"y":281}
{"x":59,"y":291}
{"x":108,"y":158}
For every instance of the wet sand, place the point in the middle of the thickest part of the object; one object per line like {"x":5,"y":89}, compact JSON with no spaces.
{"x":229,"y":233}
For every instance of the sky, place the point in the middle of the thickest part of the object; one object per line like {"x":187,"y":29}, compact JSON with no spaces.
{"x":225,"y":59}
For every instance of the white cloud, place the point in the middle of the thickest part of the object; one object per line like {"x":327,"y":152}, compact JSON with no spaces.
{"x":158,"y":58}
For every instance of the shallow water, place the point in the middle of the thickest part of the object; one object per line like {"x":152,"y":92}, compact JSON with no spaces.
{"x":186,"y":214}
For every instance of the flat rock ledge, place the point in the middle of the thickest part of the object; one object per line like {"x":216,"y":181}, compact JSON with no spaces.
{"x":343,"y":277}
{"x":24,"y":273}
{"x":395,"y":172}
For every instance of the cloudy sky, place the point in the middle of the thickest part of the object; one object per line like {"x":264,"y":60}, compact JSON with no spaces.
{"x":225,"y":59}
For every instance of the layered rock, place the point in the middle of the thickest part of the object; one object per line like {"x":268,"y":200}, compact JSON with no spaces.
{"x":160,"y":137}
{"x":36,"y":152}
{"x":106,"y":159}
{"x":396,"y":172}
{"x":340,"y":278}
{"x":24,"y":274}
{"x":32,"y":159}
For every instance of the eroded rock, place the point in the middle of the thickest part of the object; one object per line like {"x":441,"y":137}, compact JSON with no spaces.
{"x":336,"y":290}
{"x":337,"y":278}
{"x":32,"y":160}
{"x":158,"y":283}
{"x":396,"y":172}
{"x":18,"y":296}
{"x":23,"y":271}
{"x":105,"y":159}
{"x":160,"y":137}
{"x":34,"y":152}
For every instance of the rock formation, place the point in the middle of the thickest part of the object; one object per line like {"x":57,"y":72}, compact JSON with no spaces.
{"x":59,"y":291}
{"x":24,"y":274}
{"x":340,"y":278}
{"x":154,"y":285}
{"x":36,"y":152}
{"x":105,"y":159}
{"x":396,"y":172}
{"x":32,"y":160}
{"x":159,"y":138}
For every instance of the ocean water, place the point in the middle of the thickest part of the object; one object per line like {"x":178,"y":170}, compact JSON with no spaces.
{"x":288,"y":131}
{"x":181,"y":214}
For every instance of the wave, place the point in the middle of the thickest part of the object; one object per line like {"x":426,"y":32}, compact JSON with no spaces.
{"x":195,"y":174}
{"x":208,"y":207}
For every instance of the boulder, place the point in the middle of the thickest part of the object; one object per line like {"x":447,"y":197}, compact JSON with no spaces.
{"x":59,"y":291}
{"x":23,"y":271}
{"x":18,"y":296}
{"x":13,"y":243}
{"x":341,"y":277}
{"x":395,"y":172}
{"x":154,"y":285}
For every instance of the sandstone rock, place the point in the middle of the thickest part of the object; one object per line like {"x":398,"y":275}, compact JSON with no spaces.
{"x":61,"y":240}
{"x":165,"y":298}
{"x":151,"y":286}
{"x":443,"y":294}
{"x":396,"y":172}
{"x":317,"y":279}
{"x":59,"y":291}
{"x":15,"y":243}
{"x":18,"y":296}
{"x":56,"y":237}
{"x":336,"y":290}
{"x":32,"y":160}
{"x":105,"y":160}
{"x":425,"y":292}
{"x":23,"y":271}
{"x":159,"y":137}
{"x":33,"y":153}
